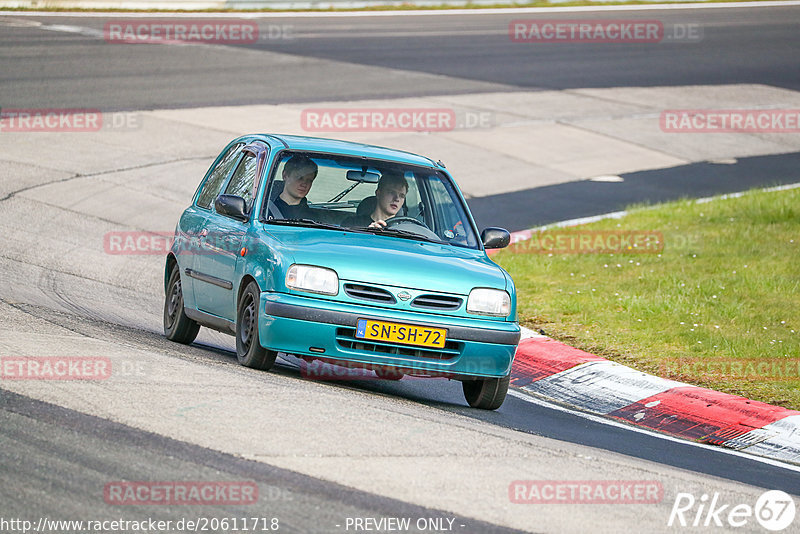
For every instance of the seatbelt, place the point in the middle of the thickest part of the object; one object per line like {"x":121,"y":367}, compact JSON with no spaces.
{"x":274,"y":212}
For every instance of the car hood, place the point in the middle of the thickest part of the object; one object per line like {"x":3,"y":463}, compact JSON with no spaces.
{"x":391,"y":261}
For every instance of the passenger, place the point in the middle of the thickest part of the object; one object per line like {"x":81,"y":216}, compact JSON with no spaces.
{"x":390,"y":197}
{"x":298,"y":176}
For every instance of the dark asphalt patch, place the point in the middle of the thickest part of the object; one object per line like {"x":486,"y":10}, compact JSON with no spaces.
{"x":521,"y":210}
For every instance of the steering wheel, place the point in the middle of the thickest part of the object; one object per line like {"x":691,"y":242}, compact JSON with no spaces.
{"x":394,"y":221}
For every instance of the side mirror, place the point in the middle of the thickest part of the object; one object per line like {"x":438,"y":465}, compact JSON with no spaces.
{"x":231,"y":206}
{"x":495,"y":237}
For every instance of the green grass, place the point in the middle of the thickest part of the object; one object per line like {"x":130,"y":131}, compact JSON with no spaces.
{"x":722,"y":295}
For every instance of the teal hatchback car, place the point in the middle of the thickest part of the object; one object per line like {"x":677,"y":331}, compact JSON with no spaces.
{"x":355,"y":255}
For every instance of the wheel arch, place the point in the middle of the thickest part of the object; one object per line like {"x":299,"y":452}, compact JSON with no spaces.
{"x":246,"y":279}
{"x":170,"y":264}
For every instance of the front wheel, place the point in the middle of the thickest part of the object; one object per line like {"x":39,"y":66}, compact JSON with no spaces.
{"x":177,"y":326}
{"x":487,"y":394}
{"x":249,"y":351}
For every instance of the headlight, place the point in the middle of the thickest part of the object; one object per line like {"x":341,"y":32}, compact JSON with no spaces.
{"x":313,"y":279}
{"x":485,"y":301}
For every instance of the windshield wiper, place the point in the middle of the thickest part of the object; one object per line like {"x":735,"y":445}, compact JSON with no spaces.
{"x":306,"y":222}
{"x":395,"y":232}
{"x":341,"y":195}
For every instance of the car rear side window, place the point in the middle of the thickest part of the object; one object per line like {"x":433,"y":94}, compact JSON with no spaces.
{"x":244,"y":177}
{"x":216,"y":178}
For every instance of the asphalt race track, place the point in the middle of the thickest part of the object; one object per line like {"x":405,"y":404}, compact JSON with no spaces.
{"x":436,"y":54}
{"x":324,"y":453}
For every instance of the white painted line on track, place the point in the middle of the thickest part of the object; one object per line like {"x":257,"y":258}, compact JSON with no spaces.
{"x":611,"y":422}
{"x":424,"y":13}
{"x":623,"y":213}
{"x":742,"y":193}
{"x":88,"y":32}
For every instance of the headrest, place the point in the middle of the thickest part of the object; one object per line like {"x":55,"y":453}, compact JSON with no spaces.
{"x":367,"y":206}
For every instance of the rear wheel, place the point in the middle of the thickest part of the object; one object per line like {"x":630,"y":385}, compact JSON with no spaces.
{"x":249,"y":351}
{"x":177,"y":326}
{"x":487,"y":394}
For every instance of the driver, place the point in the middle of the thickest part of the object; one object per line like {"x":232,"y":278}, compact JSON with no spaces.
{"x":390,"y":195}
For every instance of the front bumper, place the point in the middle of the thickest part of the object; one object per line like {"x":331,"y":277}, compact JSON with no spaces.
{"x":307,"y":326}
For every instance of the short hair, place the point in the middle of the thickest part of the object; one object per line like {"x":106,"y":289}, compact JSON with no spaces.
{"x":392,"y":178}
{"x":300,"y":165}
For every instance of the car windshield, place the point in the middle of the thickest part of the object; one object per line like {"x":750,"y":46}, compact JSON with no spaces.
{"x":355,"y":194}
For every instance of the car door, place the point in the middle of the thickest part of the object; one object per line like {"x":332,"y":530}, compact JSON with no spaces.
{"x":194,"y":218}
{"x":222,"y":237}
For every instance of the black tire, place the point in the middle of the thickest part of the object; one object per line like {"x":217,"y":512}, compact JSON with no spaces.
{"x":249,"y":351}
{"x":487,"y":394}
{"x":177,"y":326}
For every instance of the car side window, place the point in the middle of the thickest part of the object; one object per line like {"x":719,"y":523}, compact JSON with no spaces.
{"x":449,"y":216}
{"x":244,"y":177}
{"x":217,"y":177}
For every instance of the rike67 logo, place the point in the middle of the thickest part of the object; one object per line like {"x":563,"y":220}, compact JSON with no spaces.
{"x":774,"y":510}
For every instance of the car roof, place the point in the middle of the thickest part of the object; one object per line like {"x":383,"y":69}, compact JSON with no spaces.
{"x":337,"y":146}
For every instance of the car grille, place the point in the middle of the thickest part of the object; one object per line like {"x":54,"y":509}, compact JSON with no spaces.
{"x":369,"y":293}
{"x":346,"y":338}
{"x":437,"y":302}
